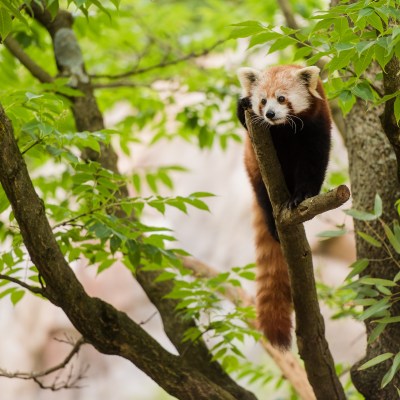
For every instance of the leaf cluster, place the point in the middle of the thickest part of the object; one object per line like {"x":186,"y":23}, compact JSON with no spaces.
{"x":347,"y":39}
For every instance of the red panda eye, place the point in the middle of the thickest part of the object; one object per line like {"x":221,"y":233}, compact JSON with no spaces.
{"x":281,"y":99}
{"x":263,"y":102}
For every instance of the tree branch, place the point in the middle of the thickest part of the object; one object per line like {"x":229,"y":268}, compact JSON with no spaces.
{"x":70,"y":382}
{"x":163,"y":64}
{"x":207,"y":377}
{"x":110,"y":331}
{"x":310,"y":329}
{"x":287,"y":363}
{"x":33,"y":289}
{"x":17,"y":51}
{"x":314,"y":206}
{"x":287,"y":12}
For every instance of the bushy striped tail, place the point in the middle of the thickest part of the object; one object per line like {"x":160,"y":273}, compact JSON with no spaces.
{"x":274,"y":300}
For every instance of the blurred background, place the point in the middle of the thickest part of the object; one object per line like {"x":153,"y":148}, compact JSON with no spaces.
{"x":178,"y":115}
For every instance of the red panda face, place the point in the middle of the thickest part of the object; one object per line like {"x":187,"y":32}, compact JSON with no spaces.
{"x":280,"y":93}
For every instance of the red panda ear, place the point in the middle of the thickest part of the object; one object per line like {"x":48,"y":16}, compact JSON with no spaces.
{"x":310,"y":75}
{"x":248,"y":78}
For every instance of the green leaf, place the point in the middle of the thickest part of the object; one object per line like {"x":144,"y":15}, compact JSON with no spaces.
{"x":362,"y":63}
{"x":357,"y":267}
{"x":115,"y":243}
{"x":16,"y":296}
{"x":388,"y":320}
{"x":375,"y":21}
{"x":378,"y":205}
{"x":332,"y":234}
{"x":364,"y":91}
{"x":369,"y":239}
{"x":263,"y":38}
{"x":302,"y":52}
{"x":378,"y":307}
{"x":178,"y":203}
{"x":376,"y":332}
{"x":136,"y":182}
{"x":246,"y":29}
{"x":281,"y":44}
{"x":397,"y":109}
{"x":392,"y":371}
{"x":360,"y":215}
{"x":346,"y":101}
{"x":201,"y":194}
{"x":5,"y":23}
{"x":377,"y":281}
{"x":376,"y":360}
{"x":392,"y":238}
{"x":133,"y":252}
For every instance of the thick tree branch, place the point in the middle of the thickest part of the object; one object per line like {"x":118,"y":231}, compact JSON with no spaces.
{"x":69,"y":383}
{"x":287,"y":363}
{"x":310,"y":329}
{"x":197,"y":358}
{"x":110,"y":331}
{"x":18,"y":52}
{"x":391,"y":84}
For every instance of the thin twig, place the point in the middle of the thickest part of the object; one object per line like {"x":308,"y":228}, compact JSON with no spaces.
{"x":163,"y":64}
{"x":69,"y":383}
{"x":33,"y":289}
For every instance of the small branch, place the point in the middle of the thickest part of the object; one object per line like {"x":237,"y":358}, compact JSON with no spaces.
{"x":314,"y":206}
{"x":69,"y":383}
{"x":286,"y":362}
{"x":33,"y":289}
{"x":310,"y":329}
{"x":118,"y":84}
{"x":163,"y":64}
{"x":287,"y":12}
{"x":17,"y":51}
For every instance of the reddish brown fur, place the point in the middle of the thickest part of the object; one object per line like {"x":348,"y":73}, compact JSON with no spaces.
{"x":278,"y":79}
{"x":274,"y":301}
{"x":303,"y":156}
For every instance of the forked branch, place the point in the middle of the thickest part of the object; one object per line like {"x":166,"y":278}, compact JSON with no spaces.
{"x":70,"y":382}
{"x":310,"y":329}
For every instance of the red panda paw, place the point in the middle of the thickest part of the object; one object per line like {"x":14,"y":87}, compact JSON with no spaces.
{"x":245,"y":103}
{"x":297,"y":198}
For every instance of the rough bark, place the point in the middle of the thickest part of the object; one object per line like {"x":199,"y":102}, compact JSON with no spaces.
{"x":373,"y":169}
{"x":391,"y":84}
{"x":107,"y":329}
{"x":310,"y":328}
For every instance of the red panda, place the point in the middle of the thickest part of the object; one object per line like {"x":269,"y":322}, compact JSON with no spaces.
{"x":290,"y":101}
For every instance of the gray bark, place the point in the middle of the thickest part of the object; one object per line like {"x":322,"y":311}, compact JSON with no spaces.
{"x":373,"y":169}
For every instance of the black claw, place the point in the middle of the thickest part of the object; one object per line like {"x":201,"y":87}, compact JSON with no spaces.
{"x":245,"y":102}
{"x":296,"y":199}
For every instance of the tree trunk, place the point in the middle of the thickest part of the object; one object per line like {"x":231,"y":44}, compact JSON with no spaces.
{"x":373,"y":169}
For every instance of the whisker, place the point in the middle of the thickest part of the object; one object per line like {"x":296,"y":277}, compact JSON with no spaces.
{"x":295,"y":116}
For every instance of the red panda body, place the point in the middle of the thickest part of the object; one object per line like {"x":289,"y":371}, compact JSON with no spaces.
{"x":290,"y":102}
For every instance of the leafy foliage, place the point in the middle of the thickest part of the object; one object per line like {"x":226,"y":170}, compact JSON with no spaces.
{"x":148,"y":69}
{"x":347,"y":38}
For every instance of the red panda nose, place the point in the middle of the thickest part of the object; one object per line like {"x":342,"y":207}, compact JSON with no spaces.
{"x":270,"y":114}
